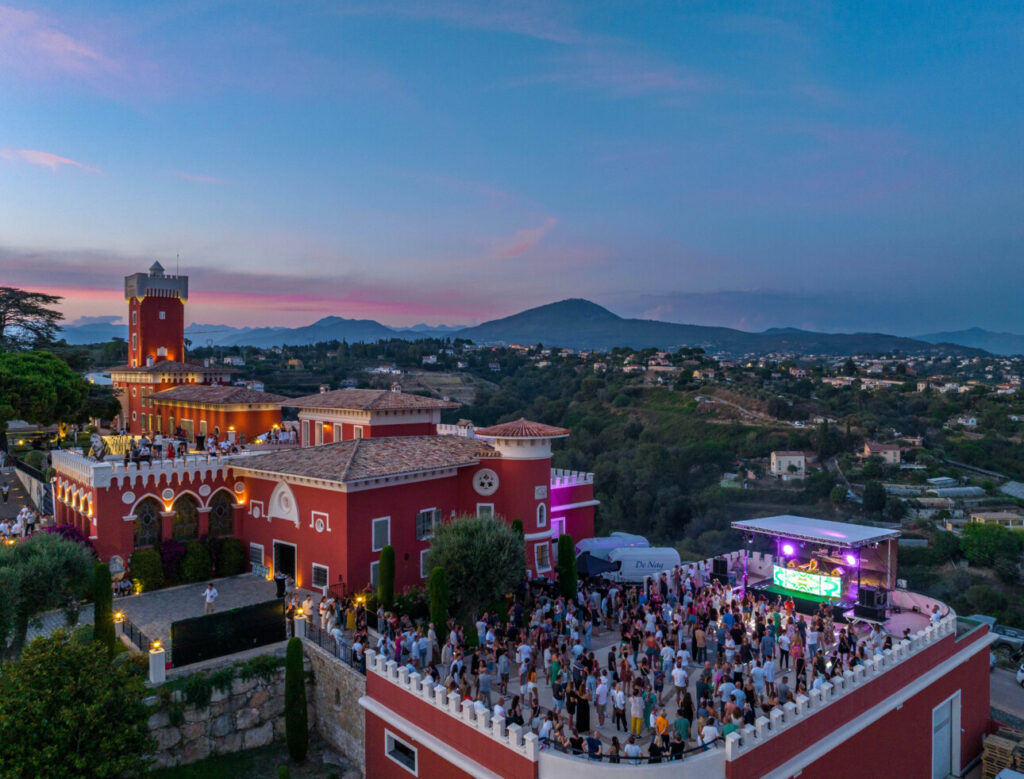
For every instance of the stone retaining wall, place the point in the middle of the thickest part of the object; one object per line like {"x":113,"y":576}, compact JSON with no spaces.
{"x":250,"y":714}
{"x":335,"y":696}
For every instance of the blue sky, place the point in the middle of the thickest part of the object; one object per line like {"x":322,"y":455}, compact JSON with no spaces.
{"x":831,"y":166}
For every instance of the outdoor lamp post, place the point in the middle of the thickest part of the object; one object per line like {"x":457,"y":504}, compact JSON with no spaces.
{"x":157,"y":663}
{"x":300,"y":623}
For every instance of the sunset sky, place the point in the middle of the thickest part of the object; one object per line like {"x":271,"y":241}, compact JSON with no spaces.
{"x":832,"y":166}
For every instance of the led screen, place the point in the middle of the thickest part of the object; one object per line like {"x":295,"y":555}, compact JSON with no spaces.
{"x":811,"y":583}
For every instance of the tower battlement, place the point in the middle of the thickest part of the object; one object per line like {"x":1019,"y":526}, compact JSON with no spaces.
{"x":155,"y":284}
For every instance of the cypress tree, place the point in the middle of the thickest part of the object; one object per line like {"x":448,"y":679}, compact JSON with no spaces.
{"x":103,"y":608}
{"x":567,"y":575}
{"x":386,"y":577}
{"x":437,"y":587}
{"x":296,"y":725}
{"x":517,"y":525}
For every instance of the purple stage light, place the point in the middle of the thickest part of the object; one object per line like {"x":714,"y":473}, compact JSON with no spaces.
{"x":788,"y":550}
{"x":851,"y":559}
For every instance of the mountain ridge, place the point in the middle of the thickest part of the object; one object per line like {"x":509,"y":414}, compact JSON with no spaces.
{"x":573,"y":322}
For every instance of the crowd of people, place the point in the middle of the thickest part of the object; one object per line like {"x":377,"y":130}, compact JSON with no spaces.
{"x":695,"y":659}
{"x":25,"y":523}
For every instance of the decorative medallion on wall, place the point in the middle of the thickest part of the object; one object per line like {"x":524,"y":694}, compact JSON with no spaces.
{"x":167,"y":494}
{"x":128,"y":498}
{"x":485,"y":482}
{"x":239,"y":487}
{"x":256,"y":512}
{"x":319,"y":525}
{"x":204,"y":490}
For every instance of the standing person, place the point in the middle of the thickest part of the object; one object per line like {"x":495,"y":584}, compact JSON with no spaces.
{"x":619,"y":709}
{"x":5,"y":491}
{"x":209,"y":597}
{"x":582,"y":709}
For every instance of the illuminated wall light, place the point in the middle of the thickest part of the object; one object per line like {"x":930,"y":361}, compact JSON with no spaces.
{"x":788,"y":550}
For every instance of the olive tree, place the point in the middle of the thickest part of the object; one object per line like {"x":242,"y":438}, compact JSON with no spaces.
{"x":484,"y":559}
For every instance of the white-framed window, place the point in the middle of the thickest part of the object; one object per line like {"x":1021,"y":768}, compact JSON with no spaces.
{"x":338,"y":433}
{"x":135,"y":341}
{"x":319,"y":433}
{"x":134,"y":416}
{"x":542,"y":514}
{"x":135,"y":317}
{"x":485,"y":510}
{"x":542,"y":556}
{"x":305,"y":432}
{"x":424,"y":563}
{"x":320,"y":576}
{"x":135,"y":391}
{"x":401,"y":752}
{"x":426,"y":521}
{"x":320,"y":521}
{"x":557,"y":527}
{"x":255,"y":554}
{"x":374,"y":569}
{"x":357,"y":431}
{"x":163,"y":315}
{"x":381,"y":533}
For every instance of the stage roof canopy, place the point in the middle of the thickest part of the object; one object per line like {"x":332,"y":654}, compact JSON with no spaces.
{"x":819,"y":531}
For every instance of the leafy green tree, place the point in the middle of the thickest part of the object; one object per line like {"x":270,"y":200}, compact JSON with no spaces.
{"x":946,"y":546}
{"x":895,"y":510}
{"x":296,"y":724}
{"x":103,"y":609}
{"x":567,"y":574}
{"x":41,"y":573}
{"x":437,"y":586}
{"x":837,"y":495}
{"x":517,"y":525}
{"x":983,"y":542}
{"x":386,"y":577}
{"x":147,"y":568}
{"x":26,"y":321}
{"x":75,"y":713}
{"x":39,"y":388}
{"x":874,"y":497}
{"x":484,"y":560}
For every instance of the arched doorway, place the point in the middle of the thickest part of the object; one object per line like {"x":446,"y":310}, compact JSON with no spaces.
{"x":186,"y":519}
{"x":147,"y":523}
{"x":222,"y":515}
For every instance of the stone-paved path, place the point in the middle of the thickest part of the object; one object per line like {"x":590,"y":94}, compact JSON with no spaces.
{"x":16,"y":499}
{"x":153,"y":612}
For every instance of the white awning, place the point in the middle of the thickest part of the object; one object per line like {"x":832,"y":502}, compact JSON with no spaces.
{"x":820,"y":531}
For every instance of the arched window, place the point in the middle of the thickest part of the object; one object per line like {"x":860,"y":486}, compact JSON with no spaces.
{"x":147,"y":523}
{"x":542,"y":515}
{"x":186,"y":519}
{"x":222,"y":515}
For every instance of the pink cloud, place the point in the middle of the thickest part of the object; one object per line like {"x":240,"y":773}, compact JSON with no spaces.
{"x":43,"y":159}
{"x":523,"y":241}
{"x":35,"y":45}
{"x":531,"y":18}
{"x":198,"y":178}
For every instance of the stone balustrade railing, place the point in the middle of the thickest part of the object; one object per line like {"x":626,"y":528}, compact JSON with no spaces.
{"x":782,"y":718}
{"x":524,"y":743}
{"x":96,"y":473}
{"x":459,"y":430}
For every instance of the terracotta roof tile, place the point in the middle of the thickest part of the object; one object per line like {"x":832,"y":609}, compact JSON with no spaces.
{"x":368,"y":458}
{"x":522,"y":428}
{"x":369,"y":400}
{"x":216,"y":394}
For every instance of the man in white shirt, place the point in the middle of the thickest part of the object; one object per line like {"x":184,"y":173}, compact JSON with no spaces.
{"x":708,"y":733}
{"x":209,"y":596}
{"x":679,"y":680}
{"x":499,"y":709}
{"x":601,"y":700}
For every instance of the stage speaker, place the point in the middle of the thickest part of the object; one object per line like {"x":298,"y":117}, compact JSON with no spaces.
{"x":871,"y":597}
{"x":720,"y":566}
{"x":875,"y":613}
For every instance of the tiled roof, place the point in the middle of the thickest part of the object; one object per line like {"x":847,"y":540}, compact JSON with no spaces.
{"x":216,"y":394}
{"x":368,"y":458}
{"x":522,"y":428}
{"x":788,"y":454}
{"x":369,"y":400}
{"x":173,"y":366}
{"x":875,"y":447}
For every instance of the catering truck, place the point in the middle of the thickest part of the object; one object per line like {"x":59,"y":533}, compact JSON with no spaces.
{"x":634,"y":564}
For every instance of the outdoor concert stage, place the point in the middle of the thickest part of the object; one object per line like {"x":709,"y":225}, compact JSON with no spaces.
{"x":819,"y":561}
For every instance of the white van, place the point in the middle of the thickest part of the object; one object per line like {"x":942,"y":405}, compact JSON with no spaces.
{"x":637,"y":563}
{"x":603,"y":546}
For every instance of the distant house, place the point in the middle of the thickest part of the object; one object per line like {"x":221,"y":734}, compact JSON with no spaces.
{"x":1004,"y":518}
{"x":966,"y":421}
{"x":430,"y":359}
{"x":295,"y":363}
{"x":704,"y":374}
{"x":238,"y":362}
{"x":890,"y":453}
{"x":788,"y":465}
{"x":494,"y":366}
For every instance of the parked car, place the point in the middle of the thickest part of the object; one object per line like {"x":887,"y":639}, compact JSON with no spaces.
{"x":1020,"y":675}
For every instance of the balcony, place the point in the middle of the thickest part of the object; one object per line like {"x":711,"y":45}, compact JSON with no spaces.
{"x":103,"y":473}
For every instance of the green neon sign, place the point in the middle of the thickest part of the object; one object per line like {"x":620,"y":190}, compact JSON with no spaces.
{"x":812,"y":583}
